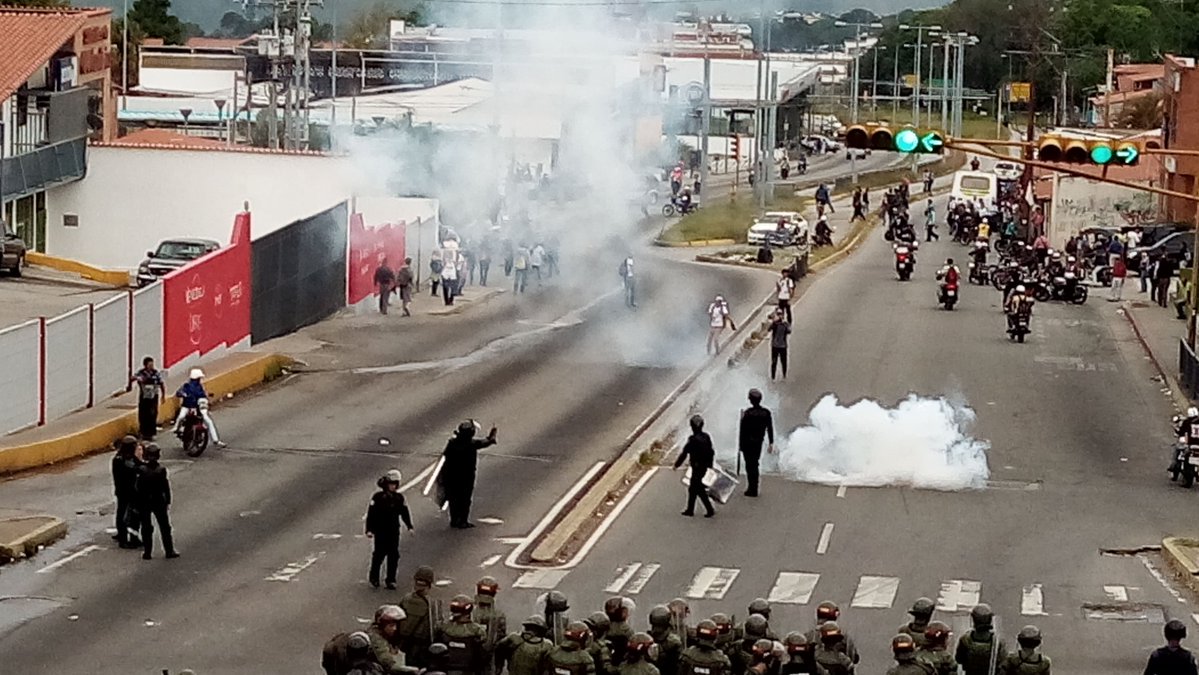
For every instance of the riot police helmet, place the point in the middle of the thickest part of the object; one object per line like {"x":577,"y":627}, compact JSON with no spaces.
{"x":797,"y":643}
{"x":423,"y":575}
{"x":902,"y":644}
{"x":389,"y":614}
{"x":830,"y":633}
{"x":922,"y":608}
{"x":555,"y":602}
{"x":1029,"y":637}
{"x":151,"y":452}
{"x":760,"y":606}
{"x":756,"y":626}
{"x":358,"y":643}
{"x":577,"y":632}
{"x":598,"y":622}
{"x":659,"y":616}
{"x":461,"y":604}
{"x":937,"y":633}
{"x":827,"y":611}
{"x":535,"y":624}
{"x":640,"y":644}
{"x":724,"y":624}
{"x":706,"y":631}
{"x":982,"y":616}
{"x":487,"y":586}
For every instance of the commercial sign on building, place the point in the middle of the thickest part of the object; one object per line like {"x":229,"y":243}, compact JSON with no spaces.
{"x":1019,"y":91}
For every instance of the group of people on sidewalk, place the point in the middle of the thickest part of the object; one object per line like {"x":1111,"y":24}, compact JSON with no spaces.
{"x":1158,"y":272}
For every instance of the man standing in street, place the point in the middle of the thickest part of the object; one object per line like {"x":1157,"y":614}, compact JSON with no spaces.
{"x":520,"y":268}
{"x":150,"y":391}
{"x":626,"y":276}
{"x":779,"y":330}
{"x":404,"y":284}
{"x":125,"y":469}
{"x":415,"y":631}
{"x":823,"y":198}
{"x":387,"y":508}
{"x":385,"y":279}
{"x":859,"y":207}
{"x":457,"y":476}
{"x":756,"y":425}
{"x":1173,"y":659}
{"x":153,"y":490}
{"x":1163,"y":272}
{"x":784,"y":290}
{"x":702,"y":456}
{"x":718,"y":317}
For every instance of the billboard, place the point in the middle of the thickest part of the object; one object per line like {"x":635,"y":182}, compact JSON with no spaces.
{"x":1019,"y":91}
{"x":368,"y":247}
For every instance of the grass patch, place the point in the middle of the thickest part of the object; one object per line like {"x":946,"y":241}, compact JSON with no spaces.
{"x":726,"y":219}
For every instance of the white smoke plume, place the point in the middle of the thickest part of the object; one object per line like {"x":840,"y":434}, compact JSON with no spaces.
{"x":921,"y":442}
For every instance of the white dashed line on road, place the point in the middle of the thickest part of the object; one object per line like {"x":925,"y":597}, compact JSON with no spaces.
{"x":1032,"y":601}
{"x":825,"y":535}
{"x":77,"y":554}
{"x":511,"y":541}
{"x":712,"y":583}
{"x":290,"y":570}
{"x":793,"y":588}
{"x":841,"y":492}
{"x":875,"y":592}
{"x":641,"y":578}
{"x":491,"y":560}
{"x":958,"y":595}
{"x":322,"y":535}
{"x":544,"y":579}
{"x":1116,"y":593}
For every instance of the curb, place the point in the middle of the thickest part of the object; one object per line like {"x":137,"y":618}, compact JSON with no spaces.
{"x":1181,"y":402}
{"x":1184,"y":568}
{"x":695,"y":242}
{"x":118,"y":278}
{"x":456,"y":308}
{"x":99,"y":438}
{"x":52,"y":529}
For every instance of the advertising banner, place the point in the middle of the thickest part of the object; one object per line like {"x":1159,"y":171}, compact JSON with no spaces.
{"x":368,"y":248}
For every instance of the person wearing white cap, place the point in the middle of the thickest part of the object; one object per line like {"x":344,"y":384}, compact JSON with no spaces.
{"x":718,"y":318}
{"x":190,"y":394}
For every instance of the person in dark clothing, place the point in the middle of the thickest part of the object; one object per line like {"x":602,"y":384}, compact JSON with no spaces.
{"x":383,"y":516}
{"x":756,"y":426}
{"x":1163,"y":273}
{"x":404,"y":285}
{"x":1173,"y":659}
{"x":154,"y":501}
{"x":779,"y":330}
{"x":457,"y":477}
{"x":702,"y":456}
{"x":385,"y":279}
{"x":150,"y":390}
{"x":125,"y":468}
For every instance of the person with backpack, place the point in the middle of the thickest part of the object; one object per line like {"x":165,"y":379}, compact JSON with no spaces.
{"x":980,"y":650}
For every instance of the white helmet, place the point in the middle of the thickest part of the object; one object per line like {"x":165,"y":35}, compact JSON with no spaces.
{"x":393,"y":476}
{"x":1192,"y":412}
{"x":195,"y":374}
{"x":1020,"y":288}
{"x":1071,"y":259}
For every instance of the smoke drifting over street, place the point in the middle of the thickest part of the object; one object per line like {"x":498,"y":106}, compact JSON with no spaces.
{"x":921,"y":442}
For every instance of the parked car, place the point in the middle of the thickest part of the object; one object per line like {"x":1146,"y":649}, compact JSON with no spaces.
{"x":170,"y":255}
{"x":1008,"y":171}
{"x":766,"y":228}
{"x":13,"y":253}
{"x":817,"y":144}
{"x":1171,"y":244}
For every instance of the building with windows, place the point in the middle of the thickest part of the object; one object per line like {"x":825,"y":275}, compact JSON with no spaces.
{"x":55,"y":93}
{"x":1180,"y":129}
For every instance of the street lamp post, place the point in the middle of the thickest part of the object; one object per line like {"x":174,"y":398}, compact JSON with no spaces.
{"x":874,"y":81}
{"x":920,"y":30}
{"x":857,"y":54}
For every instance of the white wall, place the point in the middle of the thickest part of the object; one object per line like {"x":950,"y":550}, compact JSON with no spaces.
{"x":419,"y":216}
{"x":134,"y":197}
{"x":1079,"y":203}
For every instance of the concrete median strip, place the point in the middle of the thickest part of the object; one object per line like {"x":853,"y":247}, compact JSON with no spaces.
{"x":1182,"y":555}
{"x":23,"y":536}
{"x":118,"y":278}
{"x":245,"y":370}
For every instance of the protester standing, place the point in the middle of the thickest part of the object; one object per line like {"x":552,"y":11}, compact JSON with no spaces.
{"x":718,"y":317}
{"x":1119,"y":273}
{"x":779,"y":330}
{"x":756,"y":425}
{"x":385,"y":279}
{"x":784,"y":290}
{"x":449,"y":275}
{"x":702,"y":456}
{"x":151,"y":389}
{"x":404,"y":285}
{"x":435,"y":267}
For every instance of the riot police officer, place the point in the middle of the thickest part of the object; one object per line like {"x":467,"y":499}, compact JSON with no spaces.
{"x":384,"y":634}
{"x":702,"y":657}
{"x":1027,"y":660}
{"x":760,"y":607}
{"x":598,"y":623}
{"x":618,"y":610}
{"x":669,"y":645}
{"x":753,"y":630}
{"x":935,"y":652}
{"x":464,"y":639}
{"x":904,"y":649}
{"x":571,"y":657}
{"x":801,"y":656}
{"x":922,"y":613}
{"x":524,"y":653}
{"x":830,"y":654}
{"x":491,"y":618}
{"x":416,"y":633}
{"x":680,"y":613}
{"x":829,"y":611}
{"x":980,"y":650}
{"x":725,"y":638}
{"x":637,"y":653}
{"x":556,"y":606}
{"x":764,"y":659}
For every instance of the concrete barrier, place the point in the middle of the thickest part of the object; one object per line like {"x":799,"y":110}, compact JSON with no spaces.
{"x":1180,"y":554}
{"x":116,"y":278}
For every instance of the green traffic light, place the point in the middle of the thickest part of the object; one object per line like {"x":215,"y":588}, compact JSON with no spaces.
{"x":1101,"y":154}
{"x":907,"y":141}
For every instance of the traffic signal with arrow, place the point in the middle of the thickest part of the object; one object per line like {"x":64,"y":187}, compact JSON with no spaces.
{"x":873,"y":136}
{"x":1098,"y":152}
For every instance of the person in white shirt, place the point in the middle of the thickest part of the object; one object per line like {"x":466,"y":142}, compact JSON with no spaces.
{"x":536,"y":257}
{"x":718,"y":318}
{"x":626,"y":276}
{"x":785,"y":290}
{"x":449,"y":274}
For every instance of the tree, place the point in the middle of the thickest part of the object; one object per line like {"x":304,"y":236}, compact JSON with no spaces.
{"x":1144,"y":112}
{"x":136,"y":36}
{"x":234,"y":25}
{"x":367,"y":29}
{"x":155,"y":19}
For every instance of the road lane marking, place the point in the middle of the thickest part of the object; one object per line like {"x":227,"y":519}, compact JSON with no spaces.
{"x":511,"y":541}
{"x":623,"y":574}
{"x":632,"y":577}
{"x":793,"y":588}
{"x":541,"y":579}
{"x":712,"y":583}
{"x":825,"y":535}
{"x":74,"y":556}
{"x":841,"y":491}
{"x":1116,"y":593}
{"x":958,"y":595}
{"x":290,"y":570}
{"x":641,"y":578}
{"x":875,"y":592}
{"x":432,"y":471}
{"x":491,"y":560}
{"x":488,"y":520}
{"x":323,"y":535}
{"x":514,"y":557}
{"x":1195,"y":618}
{"x":1032,"y":601}
{"x":1161,"y":579}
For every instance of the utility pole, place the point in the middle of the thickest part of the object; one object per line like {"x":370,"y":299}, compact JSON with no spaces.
{"x":945,"y":85}
{"x":1107,"y":95}
{"x":290,"y":42}
{"x":705,"y":123}
{"x":920,"y":30}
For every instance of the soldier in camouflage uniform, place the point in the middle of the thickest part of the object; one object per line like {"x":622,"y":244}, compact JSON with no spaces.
{"x":725,"y":637}
{"x":980,"y":650}
{"x":668,"y":643}
{"x":906,"y":663}
{"x":416,"y":633}
{"x":637,"y":655}
{"x":1027,"y":660}
{"x":922,"y":613}
{"x":801,"y":655}
{"x":524,"y":653}
{"x":702,"y":657}
{"x":493,"y":620}
{"x":464,"y":640}
{"x":753,"y":630}
{"x":597,"y":646}
{"x":619,"y":609}
{"x":571,"y":657}
{"x":829,"y":611}
{"x":384,"y":636}
{"x":935,"y":652}
{"x":761,"y":607}
{"x":830,"y":654}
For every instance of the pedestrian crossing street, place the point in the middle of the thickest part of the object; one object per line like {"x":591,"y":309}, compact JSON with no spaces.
{"x":800,"y":587}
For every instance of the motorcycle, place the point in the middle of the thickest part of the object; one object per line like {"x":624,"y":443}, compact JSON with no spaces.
{"x":1186,"y":456}
{"x":1036,"y":288}
{"x":673,"y":208}
{"x":948,"y":294}
{"x":980,"y":274}
{"x":1018,"y":324}
{"x":1067,"y":288}
{"x":194,"y":432}
{"x":905,"y":262}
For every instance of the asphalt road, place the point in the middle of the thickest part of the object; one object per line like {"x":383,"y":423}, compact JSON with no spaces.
{"x":1078,"y":443}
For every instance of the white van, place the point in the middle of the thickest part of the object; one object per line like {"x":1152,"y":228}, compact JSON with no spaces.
{"x":974,"y":185}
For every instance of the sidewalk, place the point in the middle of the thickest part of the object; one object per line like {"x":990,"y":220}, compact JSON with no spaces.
{"x":1159,"y":331}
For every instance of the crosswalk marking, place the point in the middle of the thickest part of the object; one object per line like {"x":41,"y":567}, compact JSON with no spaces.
{"x":711,"y":583}
{"x":793,"y":588}
{"x":958,"y":595}
{"x":875,"y":592}
{"x":632,"y":577}
{"x":623,"y":574}
{"x":641,"y":578}
{"x":1116,"y":593}
{"x":540,"y":579}
{"x":1032,"y":601}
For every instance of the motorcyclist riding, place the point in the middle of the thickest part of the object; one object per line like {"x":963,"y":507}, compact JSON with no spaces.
{"x":1187,"y":430}
{"x":1017,"y":304}
{"x":949,"y":275}
{"x":190,"y":394}
{"x":824,"y":232}
{"x":683,"y":201}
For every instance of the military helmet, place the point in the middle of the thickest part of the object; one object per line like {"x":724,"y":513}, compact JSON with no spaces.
{"x":151,"y":452}
{"x":756,"y":626}
{"x":827,"y":611}
{"x":467,"y":428}
{"x":707,"y":630}
{"x":760,"y":606}
{"x":461,"y":604}
{"x":555,"y":601}
{"x":577,"y":632}
{"x":678,"y":607}
{"x":937,"y":632}
{"x":437,"y":649}
{"x":830,"y":632}
{"x":598,"y":622}
{"x":923,"y":607}
{"x":1029,"y":636}
{"x":424,"y":575}
{"x":659,"y":616}
{"x":487,"y":586}
{"x":640,"y":643}
{"x":358,"y":642}
{"x":797,"y":643}
{"x":902,"y":644}
{"x":392,"y":476}
{"x":534,"y":624}
{"x":982,"y":616}
{"x":723,"y":623}
{"x":762,"y":649}
{"x":1175,"y":630}
{"x":618,"y":608}
{"x":389,"y":614}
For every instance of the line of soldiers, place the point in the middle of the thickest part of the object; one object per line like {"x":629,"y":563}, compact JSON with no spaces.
{"x":473,"y":640}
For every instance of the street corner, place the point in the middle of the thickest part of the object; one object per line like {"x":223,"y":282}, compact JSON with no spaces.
{"x":478,"y":295}
{"x":23,"y":536}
